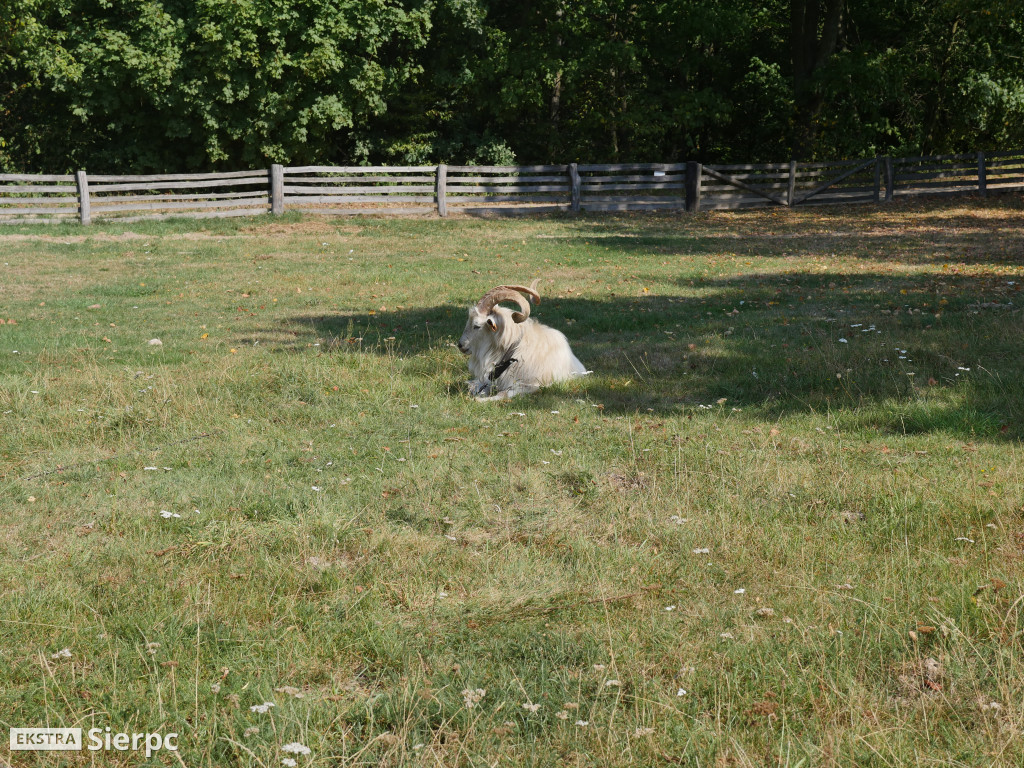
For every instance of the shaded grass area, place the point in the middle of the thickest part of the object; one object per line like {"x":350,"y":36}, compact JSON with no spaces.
{"x":780,"y":523}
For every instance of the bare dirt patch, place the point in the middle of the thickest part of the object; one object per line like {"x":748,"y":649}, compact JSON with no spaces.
{"x":67,"y":239}
{"x":310,"y":226}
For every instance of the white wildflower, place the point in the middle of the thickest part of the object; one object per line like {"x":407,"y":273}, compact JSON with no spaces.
{"x":251,"y":731}
{"x":562,"y":715}
{"x":643,"y":732}
{"x":472,"y":697}
{"x":612,"y":683}
{"x":702,"y":551}
{"x":739,"y":591}
{"x":262,"y":709}
{"x":599,"y":667}
{"x":670,"y":607}
{"x":681,"y":692}
{"x":296,"y":748}
{"x":530,"y":707}
{"x":63,"y":653}
{"x":289,"y":762}
{"x":582,"y":723}
{"x":215,"y":688}
{"x":152,"y":648}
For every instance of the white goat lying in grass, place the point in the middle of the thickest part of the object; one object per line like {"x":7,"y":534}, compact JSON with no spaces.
{"x":510,"y":353}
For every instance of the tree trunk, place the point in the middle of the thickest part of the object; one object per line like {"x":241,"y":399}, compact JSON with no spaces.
{"x":813,"y":36}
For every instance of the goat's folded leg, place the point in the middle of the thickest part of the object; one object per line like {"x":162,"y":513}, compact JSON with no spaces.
{"x":478,"y":387}
{"x":505,"y":394}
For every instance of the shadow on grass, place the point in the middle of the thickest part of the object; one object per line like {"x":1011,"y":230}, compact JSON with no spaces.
{"x":919,"y":231}
{"x":901,"y":353}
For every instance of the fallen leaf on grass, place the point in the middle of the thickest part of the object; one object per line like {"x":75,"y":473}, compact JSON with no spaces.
{"x":763,"y":709}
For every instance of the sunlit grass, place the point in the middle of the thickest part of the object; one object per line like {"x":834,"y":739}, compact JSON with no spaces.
{"x":781,"y":522}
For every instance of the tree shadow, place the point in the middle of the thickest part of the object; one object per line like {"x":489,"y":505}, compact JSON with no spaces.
{"x":897,"y":352}
{"x":908,"y":231}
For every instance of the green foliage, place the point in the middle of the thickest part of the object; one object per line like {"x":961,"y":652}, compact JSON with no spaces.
{"x":146,"y":85}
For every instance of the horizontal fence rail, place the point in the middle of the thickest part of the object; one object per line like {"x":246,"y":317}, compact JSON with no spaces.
{"x":936,"y":175}
{"x":500,"y":190}
{"x":196,"y":195}
{"x":505,"y":189}
{"x":1004,"y":170}
{"x":632,"y":187}
{"x":354,"y":190}
{"x":39,"y":198}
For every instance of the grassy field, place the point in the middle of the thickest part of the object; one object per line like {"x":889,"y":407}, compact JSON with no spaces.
{"x":782,"y":523}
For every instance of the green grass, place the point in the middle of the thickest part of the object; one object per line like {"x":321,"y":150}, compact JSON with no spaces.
{"x":353,"y":527}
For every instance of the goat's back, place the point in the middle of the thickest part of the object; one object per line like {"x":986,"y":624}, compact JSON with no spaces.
{"x":545,"y":357}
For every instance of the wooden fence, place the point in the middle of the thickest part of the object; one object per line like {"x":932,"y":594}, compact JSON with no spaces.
{"x":500,"y":190}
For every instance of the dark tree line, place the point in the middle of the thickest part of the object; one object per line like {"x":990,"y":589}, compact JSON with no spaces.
{"x":176,"y":85}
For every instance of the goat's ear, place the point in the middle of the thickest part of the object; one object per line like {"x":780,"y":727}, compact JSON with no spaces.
{"x":491,"y":324}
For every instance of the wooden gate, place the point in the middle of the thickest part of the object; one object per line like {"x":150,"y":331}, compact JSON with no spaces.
{"x":789,"y":184}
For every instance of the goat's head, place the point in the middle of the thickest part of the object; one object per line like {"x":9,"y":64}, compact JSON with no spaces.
{"x":486,"y":317}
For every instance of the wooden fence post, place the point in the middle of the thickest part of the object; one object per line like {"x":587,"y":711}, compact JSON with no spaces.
{"x":442,"y":185}
{"x":877,"y":180}
{"x":982,"y":175}
{"x":791,"y":191}
{"x":84,"y":211}
{"x":890,"y":178}
{"x":574,"y":186}
{"x":277,"y":189}
{"x":693,"y":173}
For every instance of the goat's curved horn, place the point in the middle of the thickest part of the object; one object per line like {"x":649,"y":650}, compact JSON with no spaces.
{"x":505,"y":293}
{"x":531,"y":291}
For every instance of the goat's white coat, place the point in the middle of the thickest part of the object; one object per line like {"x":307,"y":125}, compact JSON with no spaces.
{"x":542,"y":354}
